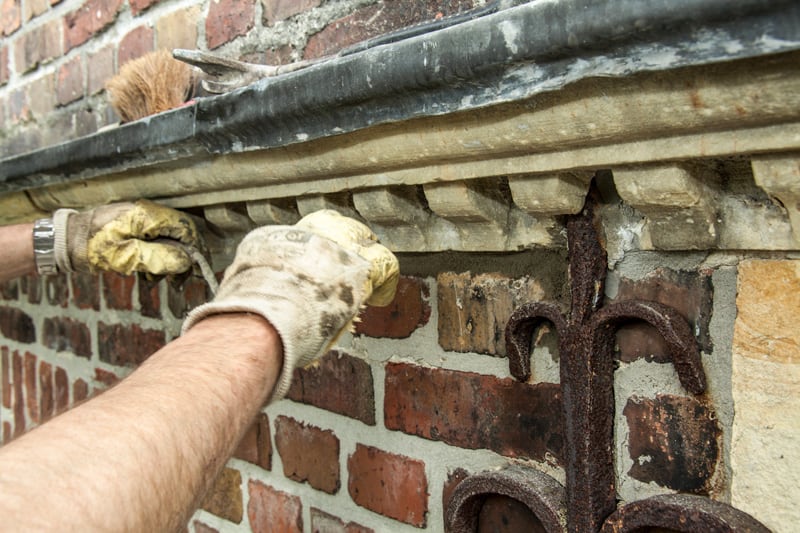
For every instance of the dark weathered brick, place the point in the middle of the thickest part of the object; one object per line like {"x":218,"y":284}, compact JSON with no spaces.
{"x":99,"y":67}
{"x":339,"y":383}
{"x":46,"y":393}
{"x":322,"y":522}
{"x":105,"y":378}
{"x":135,"y":43}
{"x":271,"y":510}
{"x":129,"y":345}
{"x":69,"y":82}
{"x":149,"y":297}
{"x":277,"y":10}
{"x":56,"y":289}
{"x":256,"y":446}
{"x":183,"y":299}
{"x":378,"y":19}
{"x":38,"y":45}
{"x":454,"y":477}
{"x":674,"y":442}
{"x":689,"y":293}
{"x":80,"y":391}
{"x":118,"y":291}
{"x":308,"y":454}
{"x":86,"y":291}
{"x":474,"y":310}
{"x":17,"y":325}
{"x":408,"y":311}
{"x":389,"y":484}
{"x":5,"y":372}
{"x":225,"y":497}
{"x":31,"y":398}
{"x":475,"y":411}
{"x":67,"y":335}
{"x":32,"y":286}
{"x":228,"y":19}
{"x":9,"y":290}
{"x":61,"y":390}
{"x":19,"y":394}
{"x":91,"y":18}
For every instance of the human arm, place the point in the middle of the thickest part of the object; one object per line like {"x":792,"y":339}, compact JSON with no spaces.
{"x":17,"y":244}
{"x":140,"y":455}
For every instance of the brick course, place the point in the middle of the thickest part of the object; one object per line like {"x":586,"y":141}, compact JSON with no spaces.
{"x":66,"y":334}
{"x":308,"y":454}
{"x":272,"y":510}
{"x":123,"y":345}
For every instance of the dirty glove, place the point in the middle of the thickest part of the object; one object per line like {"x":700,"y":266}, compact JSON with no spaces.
{"x":308,"y":280}
{"x":125,"y":238}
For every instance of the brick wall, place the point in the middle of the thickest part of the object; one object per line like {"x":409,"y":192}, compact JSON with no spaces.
{"x":379,"y":435}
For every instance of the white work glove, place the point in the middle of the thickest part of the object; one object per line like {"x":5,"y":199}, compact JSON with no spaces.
{"x":308,"y":280}
{"x":125,"y":238}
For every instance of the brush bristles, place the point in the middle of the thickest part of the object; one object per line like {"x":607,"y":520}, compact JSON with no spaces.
{"x":148,"y":85}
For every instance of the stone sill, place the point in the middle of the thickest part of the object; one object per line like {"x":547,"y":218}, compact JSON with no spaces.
{"x":478,"y":136}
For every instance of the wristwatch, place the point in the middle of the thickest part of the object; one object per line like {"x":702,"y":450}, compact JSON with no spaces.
{"x":44,"y":246}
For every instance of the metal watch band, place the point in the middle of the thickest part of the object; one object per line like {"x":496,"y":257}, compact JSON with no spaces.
{"x":44,"y":239}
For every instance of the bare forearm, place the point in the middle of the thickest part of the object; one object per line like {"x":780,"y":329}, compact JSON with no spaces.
{"x":16,"y":243}
{"x":137,"y":457}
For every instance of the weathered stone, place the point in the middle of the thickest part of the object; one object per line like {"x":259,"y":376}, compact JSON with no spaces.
{"x":765,"y":439}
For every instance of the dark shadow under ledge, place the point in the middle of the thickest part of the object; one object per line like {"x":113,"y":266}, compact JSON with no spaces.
{"x":480,"y":136}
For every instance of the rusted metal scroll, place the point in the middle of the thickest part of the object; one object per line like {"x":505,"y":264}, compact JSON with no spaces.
{"x":586,"y":347}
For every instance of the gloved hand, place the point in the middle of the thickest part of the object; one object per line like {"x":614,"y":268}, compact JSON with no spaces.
{"x":308,"y":280}
{"x":125,"y":238}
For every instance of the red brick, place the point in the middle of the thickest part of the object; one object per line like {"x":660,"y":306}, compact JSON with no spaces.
{"x":9,"y":290}
{"x":80,"y":391}
{"x":86,"y":291}
{"x":10,"y":16}
{"x":67,"y":335}
{"x":271,"y":510}
{"x":37,"y":46}
{"x":137,"y":6}
{"x":379,"y":19}
{"x":689,"y":293}
{"x":474,"y":309}
{"x":19,"y":394}
{"x":99,"y":67}
{"x":118,"y":291}
{"x":277,"y":10}
{"x":408,"y":311}
{"x":135,"y":44}
{"x":69,"y":86}
{"x":56,"y":289}
{"x":30,"y":388}
{"x":105,"y":378}
{"x":127,"y":345}
{"x":322,"y":522}
{"x":46,"y":393}
{"x":256,"y":446}
{"x":340,"y":383}
{"x":228,"y":19}
{"x":389,"y":484}
{"x":17,"y":325}
{"x":6,"y":376}
{"x":308,"y":454}
{"x":673,"y":441}
{"x":32,"y":286}
{"x":7,"y":432}
{"x":475,"y":411}
{"x":149,"y":297}
{"x":192,"y":293}
{"x":5,"y":71}
{"x":61,"y":390}
{"x":225,"y":497}
{"x":88,"y":20}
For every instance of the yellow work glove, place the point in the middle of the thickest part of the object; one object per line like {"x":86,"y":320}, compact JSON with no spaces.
{"x":308,"y":280}
{"x":125,"y":238}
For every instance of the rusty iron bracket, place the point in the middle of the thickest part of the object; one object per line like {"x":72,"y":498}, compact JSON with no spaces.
{"x":586,"y":346}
